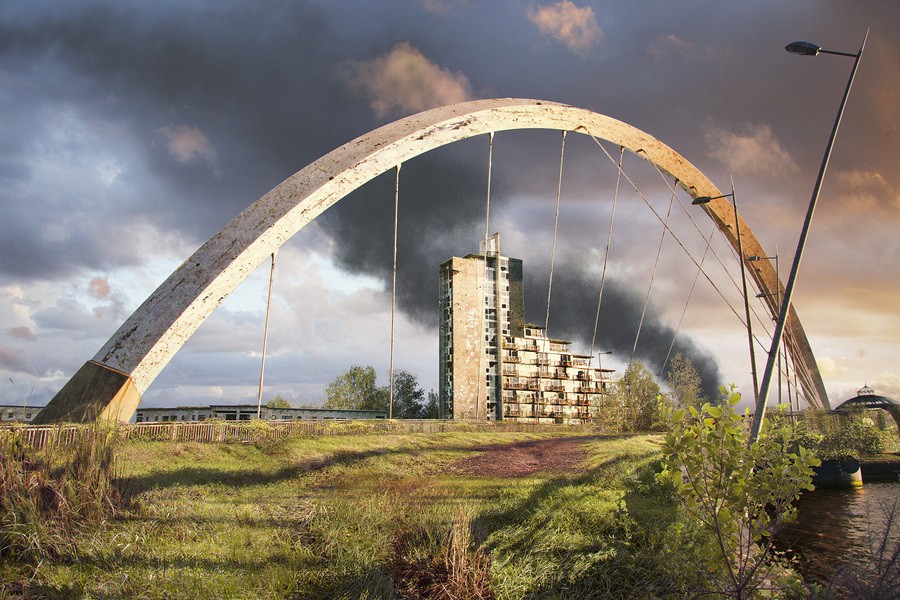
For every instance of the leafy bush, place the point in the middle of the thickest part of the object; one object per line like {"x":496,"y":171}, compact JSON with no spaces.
{"x":735,"y":495}
{"x":852,"y":434}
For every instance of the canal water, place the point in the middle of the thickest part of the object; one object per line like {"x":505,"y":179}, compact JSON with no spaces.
{"x":835,"y":527}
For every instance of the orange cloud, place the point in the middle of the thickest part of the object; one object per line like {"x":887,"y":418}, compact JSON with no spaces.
{"x":755,"y":150}
{"x":99,"y":288}
{"x":575,"y":28}
{"x":405,"y":81}
{"x":188,"y":144}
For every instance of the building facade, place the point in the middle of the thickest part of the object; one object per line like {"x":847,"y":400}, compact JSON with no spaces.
{"x":495,"y":366}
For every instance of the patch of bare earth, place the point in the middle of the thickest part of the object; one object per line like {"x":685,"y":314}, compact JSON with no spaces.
{"x":520,"y":459}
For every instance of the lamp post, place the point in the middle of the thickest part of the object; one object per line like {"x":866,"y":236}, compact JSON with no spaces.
{"x":737,"y":231}
{"x":777,"y":302}
{"x":804,"y":49}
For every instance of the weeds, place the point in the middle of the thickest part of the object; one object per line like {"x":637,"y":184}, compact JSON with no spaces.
{"x":49,"y":497}
{"x":440,"y":563}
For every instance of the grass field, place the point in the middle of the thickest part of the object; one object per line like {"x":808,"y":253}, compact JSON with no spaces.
{"x":374,"y":516}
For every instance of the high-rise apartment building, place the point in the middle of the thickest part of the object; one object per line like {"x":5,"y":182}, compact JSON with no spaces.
{"x":494,"y":365}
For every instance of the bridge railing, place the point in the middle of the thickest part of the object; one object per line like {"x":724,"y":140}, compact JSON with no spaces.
{"x":257,"y":431}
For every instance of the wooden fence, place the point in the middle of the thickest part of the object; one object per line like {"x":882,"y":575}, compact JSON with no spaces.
{"x":258,"y":431}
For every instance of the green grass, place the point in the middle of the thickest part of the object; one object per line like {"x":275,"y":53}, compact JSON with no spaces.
{"x":360,"y":516}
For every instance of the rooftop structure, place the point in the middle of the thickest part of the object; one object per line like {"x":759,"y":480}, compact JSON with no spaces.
{"x":867,"y":398}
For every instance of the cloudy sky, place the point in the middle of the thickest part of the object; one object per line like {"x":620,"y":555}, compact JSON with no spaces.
{"x":132,"y":132}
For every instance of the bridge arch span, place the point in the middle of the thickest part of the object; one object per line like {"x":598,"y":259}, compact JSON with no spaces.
{"x":111,"y":384}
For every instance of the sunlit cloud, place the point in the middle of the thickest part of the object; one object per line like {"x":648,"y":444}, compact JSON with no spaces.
{"x":575,"y":28}
{"x":754,"y":151}
{"x":98,"y":288}
{"x":441,"y":8}
{"x":869,"y":190}
{"x":667,"y":45}
{"x":188,"y":144}
{"x":22,"y":333}
{"x":405,"y":81}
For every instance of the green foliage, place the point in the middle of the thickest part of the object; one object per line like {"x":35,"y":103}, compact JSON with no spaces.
{"x":849,"y":435}
{"x":355,"y":389}
{"x":685,"y":382}
{"x":278,"y":402}
{"x":734,"y":496}
{"x":409,"y":398}
{"x":633,"y":405}
{"x":431,"y":406}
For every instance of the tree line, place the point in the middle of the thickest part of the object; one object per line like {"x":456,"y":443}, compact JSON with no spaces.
{"x":634,"y":402}
{"x":356,"y":389}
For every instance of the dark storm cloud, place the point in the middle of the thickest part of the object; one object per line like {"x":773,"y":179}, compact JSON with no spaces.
{"x":267,"y":103}
{"x":262,"y":89}
{"x":574,"y":306}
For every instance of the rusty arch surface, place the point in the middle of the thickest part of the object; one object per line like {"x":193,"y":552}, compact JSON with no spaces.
{"x":111,"y":384}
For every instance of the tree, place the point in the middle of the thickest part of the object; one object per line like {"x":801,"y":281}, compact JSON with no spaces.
{"x":409,"y":398}
{"x":685,"y":382}
{"x":278,"y":402}
{"x":734,"y":497}
{"x":432,"y":411}
{"x":355,"y":389}
{"x":635,"y":400}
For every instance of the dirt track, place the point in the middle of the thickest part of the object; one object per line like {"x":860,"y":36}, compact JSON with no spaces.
{"x":558,"y":455}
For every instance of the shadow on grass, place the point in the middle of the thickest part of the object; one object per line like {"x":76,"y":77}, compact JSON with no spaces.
{"x":623,"y":556}
{"x":199,"y":475}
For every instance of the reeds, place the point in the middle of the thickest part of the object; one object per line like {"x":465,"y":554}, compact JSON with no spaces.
{"x":48,"y":497}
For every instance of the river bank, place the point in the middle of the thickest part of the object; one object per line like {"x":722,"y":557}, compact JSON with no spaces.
{"x":881,"y":467}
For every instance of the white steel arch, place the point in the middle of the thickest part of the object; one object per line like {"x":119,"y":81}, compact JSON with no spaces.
{"x":110,"y":385}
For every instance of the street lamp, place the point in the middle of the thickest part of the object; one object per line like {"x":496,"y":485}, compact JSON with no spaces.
{"x":805,"y":49}
{"x":737,"y":231}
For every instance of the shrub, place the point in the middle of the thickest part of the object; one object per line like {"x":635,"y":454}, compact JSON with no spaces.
{"x":737,"y":496}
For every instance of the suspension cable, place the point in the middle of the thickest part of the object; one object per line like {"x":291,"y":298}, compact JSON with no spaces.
{"x":562,"y":155}
{"x":482,"y":319}
{"x":262,"y":367}
{"x":665,"y":225}
{"x":662,"y":369}
{"x":662,"y":238}
{"x":394,"y":293}
{"x":728,"y":273}
{"x":612,"y":219}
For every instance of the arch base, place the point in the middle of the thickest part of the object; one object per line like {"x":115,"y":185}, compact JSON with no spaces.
{"x":94,"y":393}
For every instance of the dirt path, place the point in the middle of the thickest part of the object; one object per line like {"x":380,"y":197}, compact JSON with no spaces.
{"x":557,"y":455}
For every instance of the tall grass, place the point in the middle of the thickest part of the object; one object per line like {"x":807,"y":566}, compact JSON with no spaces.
{"x":48,"y":497}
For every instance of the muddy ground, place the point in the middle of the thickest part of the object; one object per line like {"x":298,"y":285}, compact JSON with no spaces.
{"x":520,"y":459}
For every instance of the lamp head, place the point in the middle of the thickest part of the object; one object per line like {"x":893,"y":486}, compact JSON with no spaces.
{"x":707,"y":199}
{"x":803,"y":48}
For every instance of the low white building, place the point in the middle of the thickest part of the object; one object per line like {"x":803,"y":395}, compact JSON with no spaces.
{"x":18,"y":414}
{"x":245,"y":412}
